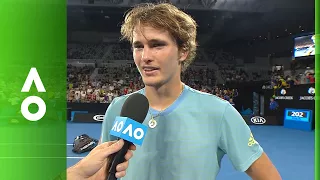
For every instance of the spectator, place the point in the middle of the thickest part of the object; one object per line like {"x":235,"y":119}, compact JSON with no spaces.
{"x":231,"y":102}
{"x":273,"y":104}
{"x":310,"y":78}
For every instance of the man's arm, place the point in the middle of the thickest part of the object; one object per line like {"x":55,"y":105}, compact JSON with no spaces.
{"x":263,"y":169}
{"x":243,"y":150}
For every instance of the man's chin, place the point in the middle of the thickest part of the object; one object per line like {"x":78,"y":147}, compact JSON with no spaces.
{"x":152,"y":83}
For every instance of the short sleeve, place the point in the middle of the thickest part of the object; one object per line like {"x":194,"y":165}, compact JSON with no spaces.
{"x":108,"y":120}
{"x":237,"y":141}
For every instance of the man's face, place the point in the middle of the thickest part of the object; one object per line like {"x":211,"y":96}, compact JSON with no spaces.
{"x":156,"y":55}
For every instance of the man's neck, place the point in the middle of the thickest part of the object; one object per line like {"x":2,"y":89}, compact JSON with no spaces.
{"x":162,"y":97}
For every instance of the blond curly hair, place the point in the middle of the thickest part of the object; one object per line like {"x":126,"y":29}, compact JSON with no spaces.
{"x":165,"y":16}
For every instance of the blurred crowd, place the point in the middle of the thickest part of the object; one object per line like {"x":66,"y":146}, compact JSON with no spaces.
{"x":104,"y":87}
{"x":102,"y":84}
{"x":111,"y":82}
{"x":298,"y":74}
{"x":230,"y":73}
{"x":226,"y":94}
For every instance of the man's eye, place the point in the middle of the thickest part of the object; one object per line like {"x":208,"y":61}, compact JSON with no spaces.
{"x":157,"y":45}
{"x":138,"y":47}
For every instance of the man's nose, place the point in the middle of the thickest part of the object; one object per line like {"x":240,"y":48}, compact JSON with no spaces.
{"x":146,"y":54}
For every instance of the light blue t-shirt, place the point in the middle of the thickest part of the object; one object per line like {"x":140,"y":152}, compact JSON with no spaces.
{"x":190,"y":139}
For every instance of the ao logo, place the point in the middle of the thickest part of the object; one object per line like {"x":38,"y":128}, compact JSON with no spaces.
{"x":138,"y":133}
{"x":33,"y":76}
{"x":258,"y":120}
{"x":128,"y":129}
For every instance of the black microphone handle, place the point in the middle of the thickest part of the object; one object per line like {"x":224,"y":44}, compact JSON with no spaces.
{"x":115,"y":159}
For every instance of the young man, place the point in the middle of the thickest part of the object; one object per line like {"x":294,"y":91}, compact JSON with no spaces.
{"x":189,"y":131}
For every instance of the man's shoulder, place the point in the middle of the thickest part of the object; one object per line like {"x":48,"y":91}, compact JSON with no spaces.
{"x":206,"y":97}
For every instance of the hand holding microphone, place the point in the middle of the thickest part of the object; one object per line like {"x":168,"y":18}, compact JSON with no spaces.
{"x":128,"y":126}
{"x":109,"y":160}
{"x":93,"y":166}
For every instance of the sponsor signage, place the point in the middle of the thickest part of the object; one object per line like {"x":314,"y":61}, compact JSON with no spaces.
{"x":265,"y":120}
{"x":306,"y":98}
{"x":296,"y":93}
{"x":311,"y":92}
{"x":258,"y":120}
{"x":267,"y":87}
{"x":98,"y":117}
{"x":284,"y":98}
{"x":283,"y":92}
{"x":87,"y":118}
{"x":96,"y":110}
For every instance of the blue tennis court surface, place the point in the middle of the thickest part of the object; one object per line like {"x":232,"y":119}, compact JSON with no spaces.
{"x":292,"y":151}
{"x":76,"y":129}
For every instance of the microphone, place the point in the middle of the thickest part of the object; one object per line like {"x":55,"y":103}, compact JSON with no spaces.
{"x":128,"y":126}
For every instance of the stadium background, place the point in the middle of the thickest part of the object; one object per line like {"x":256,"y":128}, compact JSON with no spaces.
{"x":246,"y":53}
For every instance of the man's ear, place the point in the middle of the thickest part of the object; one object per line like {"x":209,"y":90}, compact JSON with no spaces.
{"x":183,"y":54}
